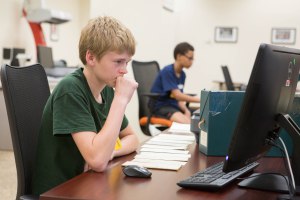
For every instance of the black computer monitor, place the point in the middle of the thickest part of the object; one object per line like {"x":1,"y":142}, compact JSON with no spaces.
{"x":44,"y":56}
{"x":267,"y":102}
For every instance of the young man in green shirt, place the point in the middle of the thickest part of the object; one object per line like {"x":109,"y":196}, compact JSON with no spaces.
{"x":83,"y":124}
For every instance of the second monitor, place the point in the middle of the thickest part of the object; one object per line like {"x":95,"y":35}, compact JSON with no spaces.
{"x":267,"y":102}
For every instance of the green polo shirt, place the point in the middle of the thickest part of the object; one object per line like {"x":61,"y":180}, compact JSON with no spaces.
{"x":70,"y":108}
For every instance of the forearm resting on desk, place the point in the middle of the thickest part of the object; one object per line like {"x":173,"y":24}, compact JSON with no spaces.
{"x":97,"y":148}
{"x":179,"y":96}
{"x":129,"y":142}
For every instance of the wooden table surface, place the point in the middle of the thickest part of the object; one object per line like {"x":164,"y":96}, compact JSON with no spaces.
{"x":114,"y":185}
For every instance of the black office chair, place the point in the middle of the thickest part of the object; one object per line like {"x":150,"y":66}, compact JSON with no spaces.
{"x":227,"y":77}
{"x":228,"y":81}
{"x":26,"y":91}
{"x":145,"y":74}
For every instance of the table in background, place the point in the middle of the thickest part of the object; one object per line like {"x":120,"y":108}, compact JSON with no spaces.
{"x":222,"y":85}
{"x":114,"y":185}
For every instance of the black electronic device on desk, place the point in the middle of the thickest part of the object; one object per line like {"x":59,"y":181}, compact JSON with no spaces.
{"x":213,"y":178}
{"x":59,"y":71}
{"x":45,"y":58}
{"x":136,"y":171}
{"x":266,"y":104}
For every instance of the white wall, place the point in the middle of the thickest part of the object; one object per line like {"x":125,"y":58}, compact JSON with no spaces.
{"x":17,"y":33}
{"x":69,"y":33}
{"x":254,"y":19}
{"x":157,"y":31}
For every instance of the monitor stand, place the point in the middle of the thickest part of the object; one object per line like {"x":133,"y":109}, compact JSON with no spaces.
{"x":273,"y":181}
{"x":267,"y":181}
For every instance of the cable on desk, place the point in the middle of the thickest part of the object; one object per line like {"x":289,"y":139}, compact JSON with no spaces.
{"x":202,"y":121}
{"x":291,"y":181}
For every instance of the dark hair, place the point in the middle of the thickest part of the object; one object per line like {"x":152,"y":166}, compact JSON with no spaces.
{"x":182,"y":48}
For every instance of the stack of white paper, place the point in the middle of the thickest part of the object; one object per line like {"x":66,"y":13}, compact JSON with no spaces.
{"x":163,"y":156}
{"x":172,"y":151}
{"x":180,"y":128}
{"x":161,"y":146}
{"x":164,"y":151}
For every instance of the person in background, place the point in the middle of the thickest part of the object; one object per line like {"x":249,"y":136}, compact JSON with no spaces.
{"x":170,"y":83}
{"x":83,"y":124}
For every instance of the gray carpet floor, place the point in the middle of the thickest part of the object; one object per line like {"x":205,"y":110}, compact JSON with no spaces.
{"x":8,"y":176}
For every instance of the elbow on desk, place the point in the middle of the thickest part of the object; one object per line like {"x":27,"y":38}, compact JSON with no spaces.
{"x":99,"y":167}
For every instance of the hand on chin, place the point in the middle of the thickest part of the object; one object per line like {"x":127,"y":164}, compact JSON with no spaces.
{"x":112,"y":83}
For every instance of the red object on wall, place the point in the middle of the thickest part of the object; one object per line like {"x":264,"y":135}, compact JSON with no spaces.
{"x":37,"y":32}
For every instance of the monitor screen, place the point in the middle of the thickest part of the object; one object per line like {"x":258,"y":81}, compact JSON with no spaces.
{"x":270,"y":92}
{"x":44,"y":56}
{"x":15,"y":52}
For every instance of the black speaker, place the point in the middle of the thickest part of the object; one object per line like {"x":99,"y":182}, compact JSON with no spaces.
{"x":6,"y":54}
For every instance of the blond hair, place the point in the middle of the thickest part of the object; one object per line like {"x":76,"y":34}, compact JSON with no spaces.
{"x":104,"y":34}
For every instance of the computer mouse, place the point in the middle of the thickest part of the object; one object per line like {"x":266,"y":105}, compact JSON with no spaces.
{"x":136,"y":171}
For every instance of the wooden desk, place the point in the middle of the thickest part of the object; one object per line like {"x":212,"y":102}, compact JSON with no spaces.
{"x":113,"y":185}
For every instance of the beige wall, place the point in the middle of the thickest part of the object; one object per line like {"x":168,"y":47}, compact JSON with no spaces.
{"x":69,"y":33}
{"x":17,"y":33}
{"x":157,"y":31}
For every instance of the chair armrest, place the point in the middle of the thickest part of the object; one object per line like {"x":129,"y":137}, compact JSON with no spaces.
{"x":191,"y":94}
{"x":188,"y":103}
{"x":151,"y":95}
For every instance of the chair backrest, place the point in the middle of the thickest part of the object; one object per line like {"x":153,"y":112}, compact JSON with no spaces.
{"x":26,"y":91}
{"x":145,"y":74}
{"x":227,"y":77}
